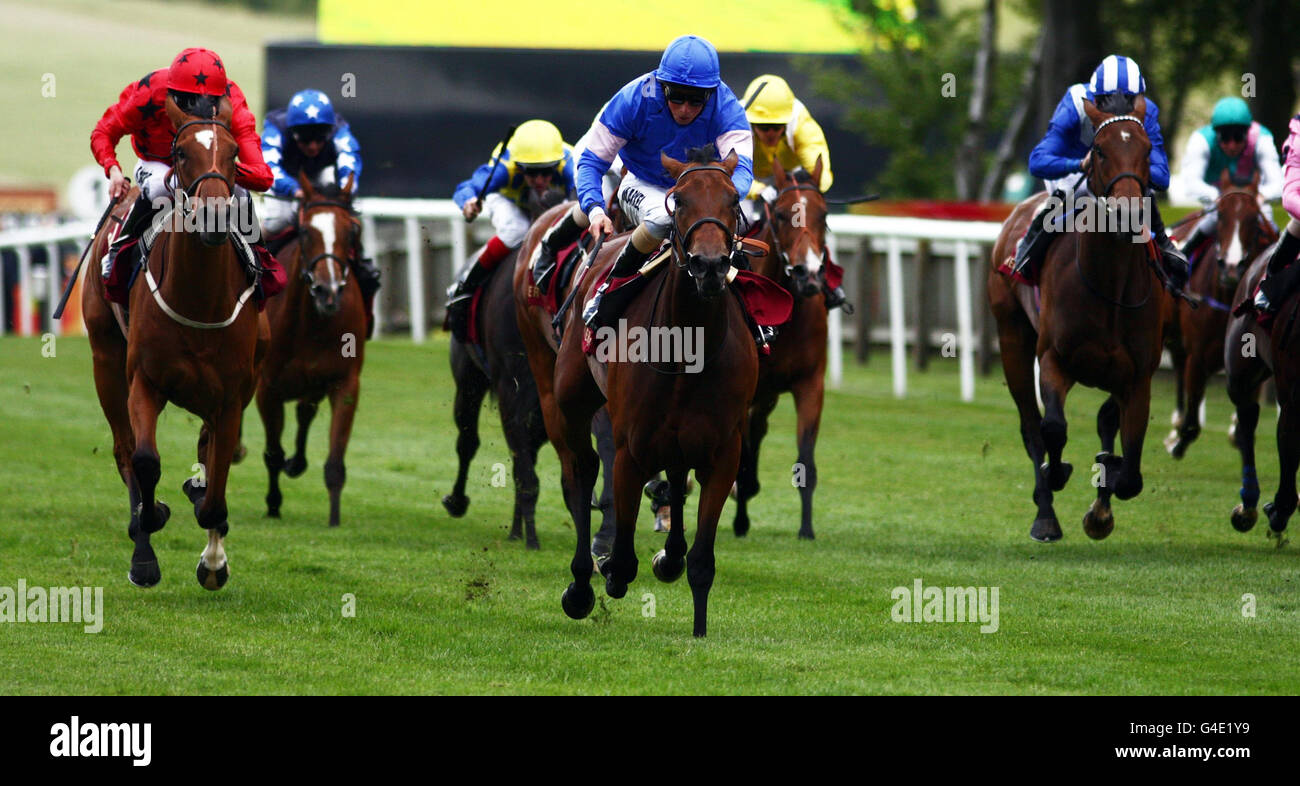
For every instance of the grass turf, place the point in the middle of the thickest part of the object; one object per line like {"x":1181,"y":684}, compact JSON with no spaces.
{"x":925,"y":487}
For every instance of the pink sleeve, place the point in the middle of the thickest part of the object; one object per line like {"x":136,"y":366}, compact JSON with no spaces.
{"x":1291,"y":171}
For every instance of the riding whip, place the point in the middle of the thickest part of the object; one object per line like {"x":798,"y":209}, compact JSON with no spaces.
{"x":510,"y":133}
{"x":72,"y":280}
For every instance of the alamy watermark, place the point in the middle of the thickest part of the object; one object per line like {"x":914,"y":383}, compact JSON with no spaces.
{"x":206,"y":214}
{"x":93,"y":740}
{"x":1112,"y":215}
{"x":655,"y":344}
{"x":83,"y":605}
{"x":919,"y":603}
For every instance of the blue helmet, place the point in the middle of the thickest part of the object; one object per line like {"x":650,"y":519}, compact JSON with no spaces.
{"x":1116,"y":74}
{"x":310,"y":108}
{"x":690,"y":60}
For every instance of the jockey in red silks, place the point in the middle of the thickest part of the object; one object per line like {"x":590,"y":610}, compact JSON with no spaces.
{"x":1270,"y":295}
{"x":197,"y":82}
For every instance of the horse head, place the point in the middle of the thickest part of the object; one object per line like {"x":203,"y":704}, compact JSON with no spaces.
{"x":203,"y":163}
{"x":1242,"y":231}
{"x":799,"y":227}
{"x":1119,"y":163}
{"x":705,"y":209}
{"x":328,"y":232}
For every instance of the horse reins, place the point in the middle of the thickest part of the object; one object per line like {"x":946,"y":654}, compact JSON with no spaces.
{"x":771,"y":221}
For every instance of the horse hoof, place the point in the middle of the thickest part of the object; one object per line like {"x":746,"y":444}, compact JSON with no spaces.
{"x":273,"y":513}
{"x":533,"y":545}
{"x":295,"y":466}
{"x":192,"y":490}
{"x":1098,"y":524}
{"x":1171,"y":443}
{"x":578,"y":600}
{"x":145,"y":574}
{"x":163,"y":511}
{"x":1046,"y":530}
{"x":1243,"y":520}
{"x":212,"y":580}
{"x":1058,"y":477}
{"x":456,"y":505}
{"x":601,"y":548}
{"x":1280,"y":537}
{"x":806,"y":535}
{"x":614,"y":588}
{"x":664,"y":571}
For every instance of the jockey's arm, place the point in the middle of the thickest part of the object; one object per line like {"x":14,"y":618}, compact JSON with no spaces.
{"x":1054,"y":157}
{"x":251,"y":170}
{"x":112,"y":126}
{"x":273,"y":153}
{"x":1291,"y":173}
{"x":809,"y":143}
{"x":602,"y":146}
{"x":1270,"y":169}
{"x":1196,"y":157}
{"x":348,"y":161}
{"x":469,"y":189}
{"x":1159,"y":160}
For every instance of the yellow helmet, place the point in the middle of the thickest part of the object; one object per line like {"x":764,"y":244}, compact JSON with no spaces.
{"x":774,"y":103}
{"x":537,"y":143}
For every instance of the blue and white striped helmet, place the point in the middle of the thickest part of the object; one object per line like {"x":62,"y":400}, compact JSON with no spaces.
{"x":1116,"y":74}
{"x":309,"y":108}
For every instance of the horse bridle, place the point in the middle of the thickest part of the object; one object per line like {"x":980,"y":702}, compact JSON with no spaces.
{"x":681,"y":241}
{"x":776,"y":236}
{"x":306,"y":272}
{"x":185,"y":190}
{"x":1092,"y":159}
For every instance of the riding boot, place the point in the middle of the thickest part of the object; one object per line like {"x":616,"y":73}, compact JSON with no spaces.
{"x":1173,"y":260}
{"x":555,"y":240}
{"x":367,"y":273}
{"x":461,"y":293}
{"x":1284,"y":253}
{"x":1031,"y":248}
{"x":133,"y":226}
{"x":1193,"y":240}
{"x":629,"y":262}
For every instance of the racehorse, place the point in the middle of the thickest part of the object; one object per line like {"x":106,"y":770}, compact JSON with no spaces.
{"x":1103,"y":308}
{"x":796,"y":232}
{"x":663,"y":417}
{"x":1250,"y":355}
{"x":190,"y":341}
{"x":319,"y":330}
{"x":1196,"y":338}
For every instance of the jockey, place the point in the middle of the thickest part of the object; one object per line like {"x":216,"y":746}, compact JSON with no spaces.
{"x":784,"y":129}
{"x":1235,"y":145}
{"x":682,"y":104}
{"x":1284,"y":253}
{"x":1064,"y":151}
{"x":534,"y":173}
{"x":196,"y":82}
{"x":325,"y":151}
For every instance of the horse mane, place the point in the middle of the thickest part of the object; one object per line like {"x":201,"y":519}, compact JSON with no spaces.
{"x":704,"y":154}
{"x":802,"y":175}
{"x":330,"y":191}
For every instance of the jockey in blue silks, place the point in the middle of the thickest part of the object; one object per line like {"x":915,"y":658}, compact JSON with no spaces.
{"x":682,"y":104}
{"x":1060,"y":156}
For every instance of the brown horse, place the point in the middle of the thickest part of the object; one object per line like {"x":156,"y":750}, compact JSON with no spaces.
{"x":318,"y":329}
{"x":796,"y":232}
{"x":1195,"y":335}
{"x":1251,"y":354}
{"x":1103,"y":308}
{"x":190,"y":342}
{"x":663,"y":416}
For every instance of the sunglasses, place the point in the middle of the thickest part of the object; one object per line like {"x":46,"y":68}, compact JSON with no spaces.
{"x":676,"y":95}
{"x":309,"y":137}
{"x":538,"y":171}
{"x":1232,"y":134}
{"x":769,"y":127}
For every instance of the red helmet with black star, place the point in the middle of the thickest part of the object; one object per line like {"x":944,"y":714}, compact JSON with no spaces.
{"x":197,"y":70}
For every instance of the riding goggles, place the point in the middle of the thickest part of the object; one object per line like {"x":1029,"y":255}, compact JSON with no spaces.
{"x":678,"y":94}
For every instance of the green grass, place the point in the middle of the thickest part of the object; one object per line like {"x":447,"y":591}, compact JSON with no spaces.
{"x":926,"y":487}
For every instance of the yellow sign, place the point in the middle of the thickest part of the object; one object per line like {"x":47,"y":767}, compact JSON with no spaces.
{"x":730,"y":25}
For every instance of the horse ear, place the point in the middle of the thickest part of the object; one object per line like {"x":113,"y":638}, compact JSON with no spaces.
{"x":225,"y":111}
{"x":778,"y":173}
{"x":347,"y":184}
{"x":1094,"y":114}
{"x":671,"y":164}
{"x":817,"y":172}
{"x":729,"y":163}
{"x":1254,"y":182}
{"x":304,"y":182}
{"x":1224,"y":181}
{"x":174,"y":113}
{"x":1140,"y":108}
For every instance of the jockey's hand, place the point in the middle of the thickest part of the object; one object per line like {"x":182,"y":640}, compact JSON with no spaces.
{"x":1087,"y":159}
{"x":600,"y":223}
{"x":117,"y":185}
{"x":472,"y":209}
{"x":297,"y":193}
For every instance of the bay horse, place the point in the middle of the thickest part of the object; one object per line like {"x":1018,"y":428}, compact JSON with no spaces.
{"x":663,"y":417}
{"x":1251,"y":354}
{"x":318,"y":330}
{"x":1196,"y":335}
{"x":796,"y":232}
{"x":189,"y":342}
{"x":1100,"y":323}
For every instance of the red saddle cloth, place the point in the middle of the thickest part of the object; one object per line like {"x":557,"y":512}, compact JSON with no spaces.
{"x":550,"y":299}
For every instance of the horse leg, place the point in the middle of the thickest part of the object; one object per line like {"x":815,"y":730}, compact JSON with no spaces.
{"x":297,"y":464}
{"x":1288,"y":455}
{"x":271,"y":408}
{"x":715,"y":485}
{"x":579,"y":465}
{"x":210,"y":510}
{"x":516,"y":414}
{"x":747,"y":484}
{"x":1179,"y":355}
{"x":808,"y":397}
{"x":669,"y":563}
{"x":144,"y":403}
{"x":1190,"y":428}
{"x":471,"y":387}
{"x":343,"y":409}
{"x":1099,"y":517}
{"x":621,"y":568}
{"x":1017,"y":339}
{"x":1135,"y":408}
{"x":603,"y":544}
{"x":1246,"y":373}
{"x":1055,"y":385}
